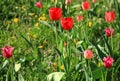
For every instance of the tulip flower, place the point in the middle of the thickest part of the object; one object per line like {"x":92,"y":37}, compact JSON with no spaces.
{"x":7,"y":51}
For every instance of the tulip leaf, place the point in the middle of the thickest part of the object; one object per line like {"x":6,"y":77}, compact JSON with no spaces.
{"x":75,"y":6}
{"x":97,"y":73}
{"x":35,"y":55}
{"x":27,"y":40}
{"x":20,"y":77}
{"x":4,"y":64}
{"x":108,"y":46}
{"x":56,"y":76}
{"x":45,"y":23}
{"x":17,"y":66}
{"x":100,"y":53}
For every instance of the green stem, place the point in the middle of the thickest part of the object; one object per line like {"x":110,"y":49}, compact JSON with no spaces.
{"x":106,"y":75}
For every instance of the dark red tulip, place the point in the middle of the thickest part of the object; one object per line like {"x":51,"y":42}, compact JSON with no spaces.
{"x":109,"y":32}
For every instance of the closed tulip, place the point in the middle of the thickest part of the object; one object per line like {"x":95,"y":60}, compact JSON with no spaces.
{"x":67,"y":23}
{"x":110,"y":16}
{"x":109,"y":32}
{"x":39,"y":4}
{"x":88,"y":54}
{"x":79,"y":18}
{"x":68,"y":2}
{"x":86,"y":5}
{"x":7,"y":51}
{"x":55,"y":13}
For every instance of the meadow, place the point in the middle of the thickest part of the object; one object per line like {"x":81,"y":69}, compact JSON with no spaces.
{"x":59,"y":40}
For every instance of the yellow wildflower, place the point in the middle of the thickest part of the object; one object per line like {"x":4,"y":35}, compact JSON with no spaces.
{"x":34,"y":36}
{"x":43,"y":15}
{"x":90,"y":24}
{"x":36,"y":24}
{"x":75,"y":41}
{"x":42,"y":18}
{"x":55,"y":64}
{"x":62,"y":67}
{"x":44,"y":42}
{"x":100,"y":64}
{"x":16,"y":20}
{"x":13,"y":37}
{"x":40,"y":47}
{"x":23,"y":8}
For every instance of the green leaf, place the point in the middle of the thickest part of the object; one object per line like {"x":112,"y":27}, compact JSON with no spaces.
{"x":108,"y":46}
{"x":75,"y":6}
{"x":45,"y":23}
{"x":86,"y":75}
{"x":27,"y":41}
{"x":97,"y":73}
{"x":35,"y":55}
{"x":4,"y":64}
{"x":100,"y":53}
{"x":20,"y":77}
{"x":17,"y":66}
{"x":56,"y":76}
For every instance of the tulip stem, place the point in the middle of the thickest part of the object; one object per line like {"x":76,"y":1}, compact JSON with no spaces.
{"x":106,"y":75}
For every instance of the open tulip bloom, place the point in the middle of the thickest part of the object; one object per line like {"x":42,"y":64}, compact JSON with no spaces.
{"x":108,"y":61}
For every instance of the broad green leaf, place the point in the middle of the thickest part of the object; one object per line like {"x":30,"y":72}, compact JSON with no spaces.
{"x":20,"y":77}
{"x":56,"y":76}
{"x":17,"y":66}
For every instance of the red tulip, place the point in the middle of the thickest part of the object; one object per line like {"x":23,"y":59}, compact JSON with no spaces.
{"x":108,"y":61}
{"x":55,"y":13}
{"x":86,"y":5}
{"x":67,"y":23}
{"x":94,"y":1}
{"x":88,"y":54}
{"x":7,"y":51}
{"x":110,"y":16}
{"x":39,"y":4}
{"x":109,"y":32}
{"x":79,"y":18}
{"x":68,"y":2}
